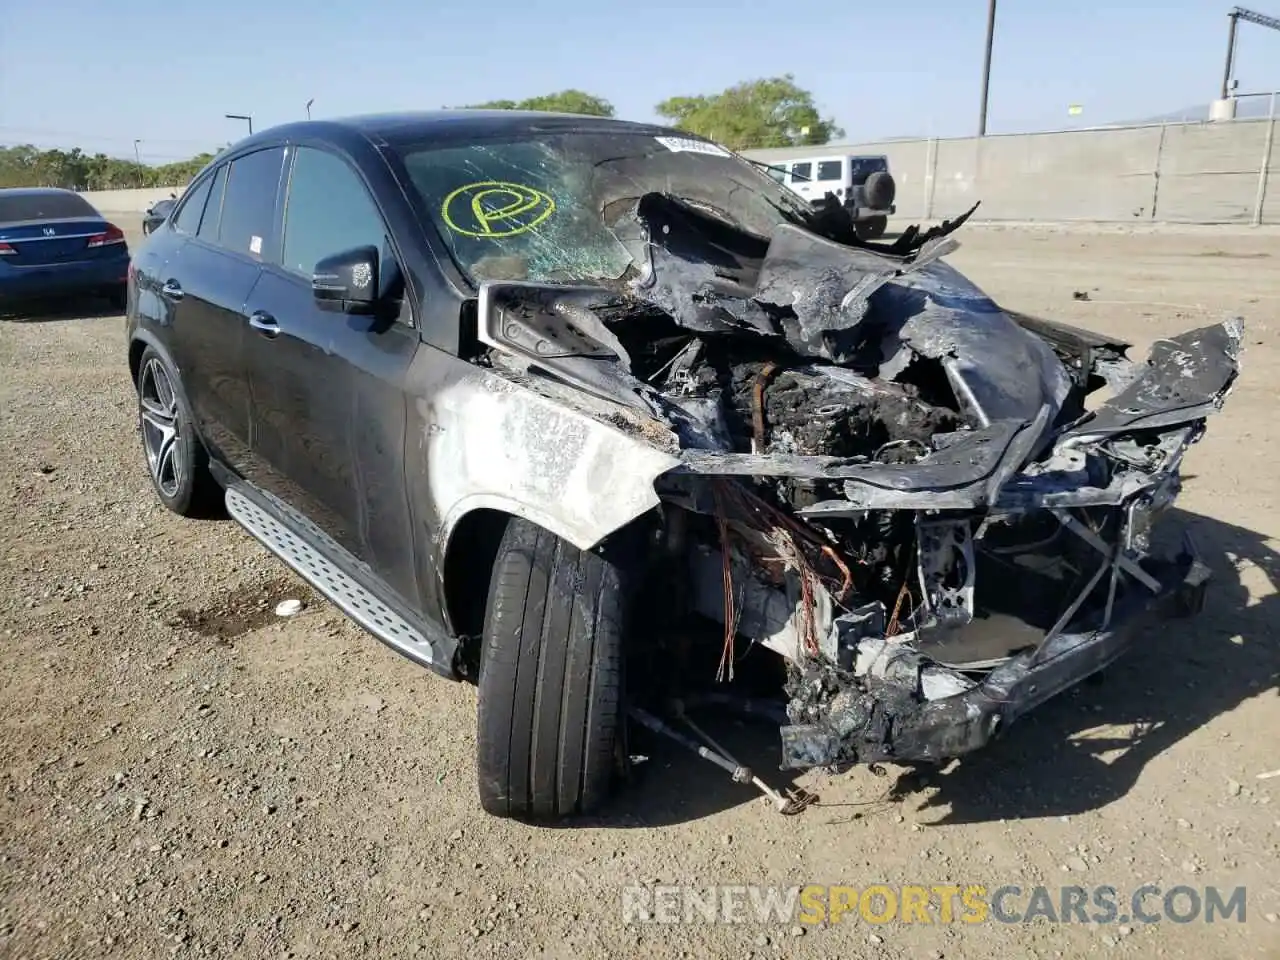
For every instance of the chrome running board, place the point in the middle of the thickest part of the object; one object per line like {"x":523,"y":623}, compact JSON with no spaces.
{"x":271,"y":525}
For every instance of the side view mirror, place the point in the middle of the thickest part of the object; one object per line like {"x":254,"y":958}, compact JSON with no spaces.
{"x":347,"y":281}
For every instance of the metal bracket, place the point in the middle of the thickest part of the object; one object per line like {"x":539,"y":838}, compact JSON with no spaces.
{"x":1126,"y":563}
{"x":945,"y":547}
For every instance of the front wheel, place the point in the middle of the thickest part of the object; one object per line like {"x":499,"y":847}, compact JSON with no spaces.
{"x":550,"y":684}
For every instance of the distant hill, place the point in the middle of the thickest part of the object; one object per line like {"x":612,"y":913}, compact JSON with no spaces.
{"x":1246,"y":109}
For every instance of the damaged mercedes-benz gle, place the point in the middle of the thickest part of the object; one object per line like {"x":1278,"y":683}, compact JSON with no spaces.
{"x":592,"y":384}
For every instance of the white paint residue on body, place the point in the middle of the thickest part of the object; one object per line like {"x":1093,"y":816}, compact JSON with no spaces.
{"x":495,"y":444}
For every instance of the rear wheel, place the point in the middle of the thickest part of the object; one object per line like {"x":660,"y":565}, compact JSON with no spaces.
{"x":118,"y":297}
{"x":176,"y":459}
{"x":550,"y":684}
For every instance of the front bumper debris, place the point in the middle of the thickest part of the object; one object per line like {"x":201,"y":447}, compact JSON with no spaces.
{"x":950,"y":727}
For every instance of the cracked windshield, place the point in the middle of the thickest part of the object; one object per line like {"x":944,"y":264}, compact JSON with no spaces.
{"x":561,"y":208}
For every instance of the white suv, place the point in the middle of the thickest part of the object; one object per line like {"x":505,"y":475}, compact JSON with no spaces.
{"x":862,"y":183}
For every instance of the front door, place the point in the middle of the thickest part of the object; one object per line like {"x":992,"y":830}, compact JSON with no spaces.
{"x":327,"y":387}
{"x":800,"y":179}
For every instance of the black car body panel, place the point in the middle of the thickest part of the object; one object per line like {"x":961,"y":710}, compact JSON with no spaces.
{"x":592,"y":324}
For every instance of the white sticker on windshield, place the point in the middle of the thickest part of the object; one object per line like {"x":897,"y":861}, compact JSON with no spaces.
{"x":686,"y":145}
{"x":255,"y":244}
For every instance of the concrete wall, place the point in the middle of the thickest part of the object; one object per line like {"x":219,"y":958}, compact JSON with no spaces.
{"x":1186,"y":173}
{"x":115,"y":202}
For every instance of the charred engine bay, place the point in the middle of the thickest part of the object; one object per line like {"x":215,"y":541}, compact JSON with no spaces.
{"x":747,"y":345}
{"x":760,"y":397}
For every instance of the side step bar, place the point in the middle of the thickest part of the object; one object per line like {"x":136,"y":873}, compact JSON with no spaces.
{"x":324,"y":569}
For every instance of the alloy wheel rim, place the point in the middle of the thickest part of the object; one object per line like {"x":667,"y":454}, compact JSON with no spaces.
{"x":158,"y":417}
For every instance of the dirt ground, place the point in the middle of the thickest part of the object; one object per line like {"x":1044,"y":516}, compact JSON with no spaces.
{"x":184,"y":774}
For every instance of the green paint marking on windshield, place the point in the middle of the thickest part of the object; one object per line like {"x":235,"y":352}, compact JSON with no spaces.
{"x":494,"y":209}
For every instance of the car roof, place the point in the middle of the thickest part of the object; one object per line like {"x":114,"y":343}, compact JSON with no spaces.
{"x":33,"y":191}
{"x":457,"y":126}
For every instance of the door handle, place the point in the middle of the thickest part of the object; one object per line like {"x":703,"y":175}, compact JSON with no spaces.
{"x":264,"y":323}
{"x":172,"y":289}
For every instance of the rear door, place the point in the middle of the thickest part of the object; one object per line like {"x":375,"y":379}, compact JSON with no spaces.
{"x":209,"y":280}
{"x":831,"y":175}
{"x":328,"y":388}
{"x":860,"y":168}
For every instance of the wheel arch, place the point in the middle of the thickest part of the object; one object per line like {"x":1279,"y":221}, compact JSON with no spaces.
{"x":465,"y":571}
{"x":138,"y":344}
{"x":470,"y":548}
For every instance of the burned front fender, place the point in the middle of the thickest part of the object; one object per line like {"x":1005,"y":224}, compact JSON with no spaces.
{"x":494,"y":443}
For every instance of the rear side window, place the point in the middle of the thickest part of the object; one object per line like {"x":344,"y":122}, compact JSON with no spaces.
{"x":188,"y":218}
{"x":830,"y":170}
{"x":864,"y":167}
{"x":15,"y":208}
{"x":802,"y":172}
{"x":213,"y":210}
{"x":248,"y":206}
{"x":328,"y":211}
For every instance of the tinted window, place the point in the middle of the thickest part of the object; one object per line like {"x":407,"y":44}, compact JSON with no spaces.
{"x":864,"y":167}
{"x":328,"y":211}
{"x":248,"y":207}
{"x":188,"y":218}
{"x":830,"y":170}
{"x":777,"y":173}
{"x":54,"y":205}
{"x":213,"y":210}
{"x":802,"y":172}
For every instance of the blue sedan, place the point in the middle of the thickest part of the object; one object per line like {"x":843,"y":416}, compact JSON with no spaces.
{"x":53,"y":243}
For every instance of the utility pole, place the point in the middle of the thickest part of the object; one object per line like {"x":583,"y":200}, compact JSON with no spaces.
{"x":242,"y":116}
{"x":137,"y":158}
{"x":309,"y":103}
{"x":1235,"y":15}
{"x":1231,"y":53}
{"x":986,"y":67}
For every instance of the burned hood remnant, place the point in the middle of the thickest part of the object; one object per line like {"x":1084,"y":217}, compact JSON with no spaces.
{"x":916,"y":499}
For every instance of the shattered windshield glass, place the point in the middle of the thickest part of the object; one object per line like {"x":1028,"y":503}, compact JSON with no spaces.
{"x":561,"y":208}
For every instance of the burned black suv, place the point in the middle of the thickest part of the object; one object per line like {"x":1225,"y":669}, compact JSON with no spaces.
{"x":585,"y":411}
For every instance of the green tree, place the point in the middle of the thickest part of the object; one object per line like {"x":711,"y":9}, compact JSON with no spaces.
{"x":28,"y":166}
{"x":771,"y":112}
{"x":566,"y":101}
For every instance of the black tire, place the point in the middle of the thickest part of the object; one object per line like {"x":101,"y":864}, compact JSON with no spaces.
{"x":872,"y":228}
{"x":879,"y":190}
{"x":550,"y":684}
{"x":179,"y":470}
{"x":118,"y":298}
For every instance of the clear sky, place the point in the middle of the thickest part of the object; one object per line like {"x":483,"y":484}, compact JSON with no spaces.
{"x":100,"y":74}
